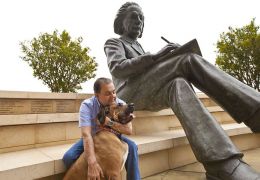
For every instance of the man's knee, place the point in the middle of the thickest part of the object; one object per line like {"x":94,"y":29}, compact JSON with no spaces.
{"x":131,"y":145}
{"x":68,"y":159}
{"x":73,"y":153}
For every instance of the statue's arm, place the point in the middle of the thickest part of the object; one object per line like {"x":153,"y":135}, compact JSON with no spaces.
{"x":119,"y":65}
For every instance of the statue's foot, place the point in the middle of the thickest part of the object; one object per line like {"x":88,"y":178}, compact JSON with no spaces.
{"x":231,"y":169}
{"x":254,"y":122}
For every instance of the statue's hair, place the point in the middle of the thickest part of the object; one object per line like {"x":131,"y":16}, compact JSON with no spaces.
{"x":118,"y":22}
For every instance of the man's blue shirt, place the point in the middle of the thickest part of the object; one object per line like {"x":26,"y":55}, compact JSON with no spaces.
{"x":88,"y":112}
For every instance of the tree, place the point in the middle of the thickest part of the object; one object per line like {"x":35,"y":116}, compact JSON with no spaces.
{"x":61,"y":63}
{"x":239,"y":54}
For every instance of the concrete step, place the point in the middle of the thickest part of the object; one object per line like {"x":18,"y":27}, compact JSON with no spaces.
{"x":12,"y":102}
{"x":35,"y":119}
{"x":23,"y":119}
{"x":27,"y":131}
{"x":16,"y":102}
{"x":196,"y":171}
{"x":164,"y":150}
{"x":148,"y":122}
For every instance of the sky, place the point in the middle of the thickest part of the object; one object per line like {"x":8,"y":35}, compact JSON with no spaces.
{"x":178,"y":21}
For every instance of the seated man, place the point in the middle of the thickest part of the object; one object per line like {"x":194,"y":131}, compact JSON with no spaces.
{"x":153,"y":82}
{"x":104,"y":95}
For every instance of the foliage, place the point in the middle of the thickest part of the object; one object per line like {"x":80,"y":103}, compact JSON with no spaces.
{"x":61,"y":63}
{"x":239,"y":54}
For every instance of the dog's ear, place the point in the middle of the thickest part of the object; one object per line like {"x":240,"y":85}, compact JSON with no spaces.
{"x":106,"y":110}
{"x":102,"y":116}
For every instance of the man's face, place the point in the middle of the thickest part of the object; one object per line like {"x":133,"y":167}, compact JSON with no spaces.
{"x":107,"y":95}
{"x":133,"y":22}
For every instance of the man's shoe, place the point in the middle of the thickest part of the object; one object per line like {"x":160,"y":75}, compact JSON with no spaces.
{"x":231,"y":169}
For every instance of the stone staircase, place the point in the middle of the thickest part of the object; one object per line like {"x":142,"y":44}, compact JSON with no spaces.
{"x":36,"y":129}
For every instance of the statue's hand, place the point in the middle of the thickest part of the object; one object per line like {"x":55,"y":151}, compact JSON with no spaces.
{"x":165,"y":50}
{"x":174,"y":45}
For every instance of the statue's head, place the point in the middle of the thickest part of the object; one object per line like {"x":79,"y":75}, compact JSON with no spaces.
{"x":129,"y":20}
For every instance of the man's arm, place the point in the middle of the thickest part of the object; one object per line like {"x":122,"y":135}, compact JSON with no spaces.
{"x":94,"y":170}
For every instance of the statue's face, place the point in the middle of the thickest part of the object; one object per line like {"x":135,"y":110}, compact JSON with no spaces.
{"x":133,"y":22}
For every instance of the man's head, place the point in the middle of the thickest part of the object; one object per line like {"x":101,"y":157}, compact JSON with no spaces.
{"x":104,"y":90}
{"x":129,"y":21}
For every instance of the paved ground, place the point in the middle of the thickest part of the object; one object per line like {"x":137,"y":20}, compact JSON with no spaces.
{"x":196,"y":171}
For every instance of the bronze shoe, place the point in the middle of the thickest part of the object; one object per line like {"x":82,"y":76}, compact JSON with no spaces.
{"x":231,"y":169}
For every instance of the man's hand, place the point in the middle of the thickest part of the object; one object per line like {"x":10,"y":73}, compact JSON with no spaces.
{"x":121,"y":128}
{"x":107,"y":119}
{"x":165,"y":50}
{"x":94,"y":170}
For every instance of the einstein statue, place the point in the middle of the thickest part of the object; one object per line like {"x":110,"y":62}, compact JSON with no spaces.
{"x":157,"y":81}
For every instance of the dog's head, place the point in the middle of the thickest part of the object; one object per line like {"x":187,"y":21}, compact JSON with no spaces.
{"x":118,"y":112}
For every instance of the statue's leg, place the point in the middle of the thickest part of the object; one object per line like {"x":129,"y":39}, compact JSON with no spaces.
{"x":165,"y":85}
{"x":239,"y":100}
{"x":210,"y":144}
{"x":208,"y":140}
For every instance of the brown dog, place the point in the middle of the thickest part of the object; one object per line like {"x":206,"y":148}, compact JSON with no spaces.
{"x":110,"y":151}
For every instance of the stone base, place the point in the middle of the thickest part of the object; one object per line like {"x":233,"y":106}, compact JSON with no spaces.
{"x":196,"y":171}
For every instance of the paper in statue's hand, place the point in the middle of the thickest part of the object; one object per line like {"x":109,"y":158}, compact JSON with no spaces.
{"x":190,"y":47}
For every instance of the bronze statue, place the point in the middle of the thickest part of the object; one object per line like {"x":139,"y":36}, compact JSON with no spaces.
{"x":154,"y":82}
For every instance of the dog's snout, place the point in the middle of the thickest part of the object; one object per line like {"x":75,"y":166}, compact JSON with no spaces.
{"x":130,"y":108}
{"x":120,"y":104}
